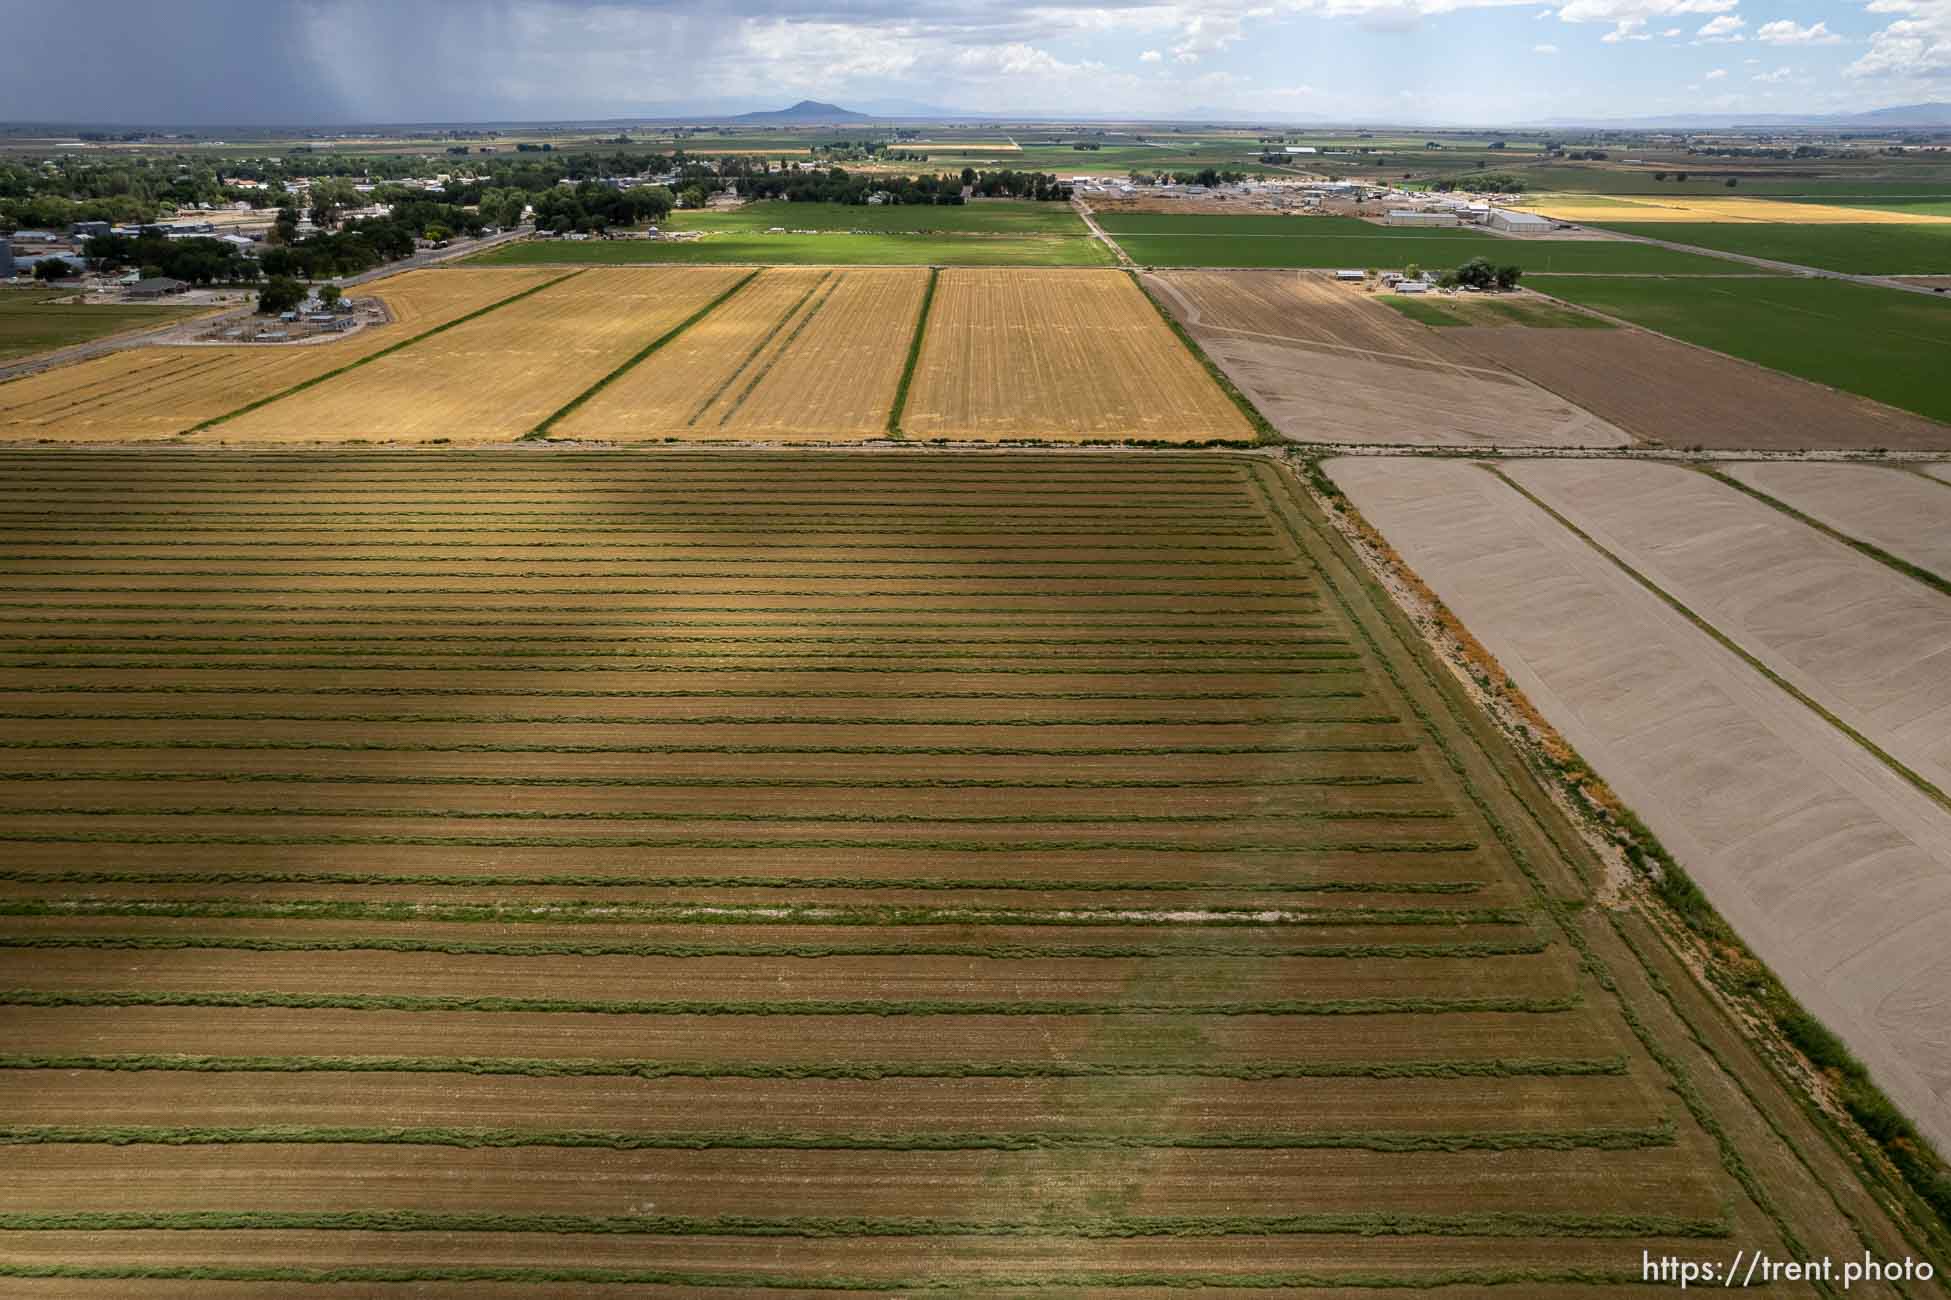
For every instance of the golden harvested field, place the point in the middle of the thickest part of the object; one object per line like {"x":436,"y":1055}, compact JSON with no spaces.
{"x":494,"y":379}
{"x":1580,"y":207}
{"x":534,"y":873}
{"x":1059,"y":355}
{"x":795,"y":354}
{"x":157,"y":391}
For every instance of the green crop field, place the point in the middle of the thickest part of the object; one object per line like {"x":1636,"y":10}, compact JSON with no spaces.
{"x":1169,"y":239}
{"x":979,"y":217}
{"x":1527,"y":312}
{"x":815,"y":250}
{"x":1868,"y":249}
{"x":1881,"y":343}
{"x":885,"y":872}
{"x":30,"y":321}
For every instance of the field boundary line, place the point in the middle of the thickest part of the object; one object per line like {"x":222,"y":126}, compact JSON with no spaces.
{"x":785,"y":346}
{"x":383,"y":352}
{"x":1915,"y":779}
{"x":1264,"y":433}
{"x":541,"y":430}
{"x":659,"y":1068}
{"x":1916,"y":572}
{"x":880,"y":1007}
{"x":900,"y":404}
{"x":1394,"y":1141}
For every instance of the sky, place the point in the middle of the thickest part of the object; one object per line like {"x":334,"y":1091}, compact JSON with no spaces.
{"x":288,"y":62}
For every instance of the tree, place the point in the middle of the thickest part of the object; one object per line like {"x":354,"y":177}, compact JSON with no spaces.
{"x":52,"y":268}
{"x":1732,"y":182}
{"x":280,"y":294}
{"x":1476,"y":274}
{"x":1508,"y":276}
{"x":329,"y":295}
{"x":1659,"y":176}
{"x":1680,"y":176}
{"x":285,"y":229}
{"x":969,"y":176}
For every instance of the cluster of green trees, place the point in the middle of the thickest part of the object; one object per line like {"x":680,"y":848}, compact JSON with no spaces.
{"x":1499,"y":182}
{"x":587,"y":207}
{"x":1204,"y":176}
{"x":837,"y":185}
{"x":197,"y":261}
{"x":1477,"y":273}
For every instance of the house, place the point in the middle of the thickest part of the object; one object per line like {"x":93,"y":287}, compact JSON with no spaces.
{"x":89,"y":229}
{"x":1518,"y":223}
{"x":156,"y":287}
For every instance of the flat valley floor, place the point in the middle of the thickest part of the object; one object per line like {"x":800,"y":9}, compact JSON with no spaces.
{"x":502,"y":874}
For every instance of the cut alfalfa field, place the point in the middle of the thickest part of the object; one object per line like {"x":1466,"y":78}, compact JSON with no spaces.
{"x":560,"y":867}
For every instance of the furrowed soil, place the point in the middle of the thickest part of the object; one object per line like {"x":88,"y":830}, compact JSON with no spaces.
{"x":1904,"y":514}
{"x":1326,"y":363}
{"x":799,"y":872}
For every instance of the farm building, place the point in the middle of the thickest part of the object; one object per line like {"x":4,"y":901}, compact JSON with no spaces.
{"x":1416,"y":217}
{"x":1518,"y":223}
{"x":156,"y":287}
{"x":1347,"y":276}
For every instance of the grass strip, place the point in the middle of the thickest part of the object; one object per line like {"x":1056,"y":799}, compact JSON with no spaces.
{"x":992,"y":751}
{"x":701,"y":720}
{"x":913,"y":359}
{"x":1509,"y":1224}
{"x":1914,"y":572}
{"x":790,"y":914}
{"x":260,"y":777}
{"x":950,"y":884}
{"x":375,"y":356}
{"x":753,"y":818}
{"x":541,"y":430}
{"x":1264,"y":432}
{"x":552,"y":1068}
{"x":1396,"y":1142}
{"x":728,"y":842}
{"x":848,"y":1007}
{"x":565,"y":948}
{"x":1092,"y":1282}
{"x":1919,"y":782}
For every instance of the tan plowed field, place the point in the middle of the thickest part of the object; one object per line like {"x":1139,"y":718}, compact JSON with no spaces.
{"x":1834,"y":869}
{"x":155,"y":391}
{"x":1326,"y":363}
{"x":1899,"y":512}
{"x":795,"y":355}
{"x":1633,"y":378}
{"x":561,"y":870}
{"x":1867,"y":642}
{"x":1059,"y":355}
{"x":494,"y":379}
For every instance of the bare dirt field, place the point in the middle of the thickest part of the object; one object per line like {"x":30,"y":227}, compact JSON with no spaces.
{"x":1059,"y":355}
{"x":1889,"y":507}
{"x":157,"y":391}
{"x":563,"y":869}
{"x":1669,"y":393}
{"x":1835,"y":870}
{"x":1867,"y":642}
{"x":794,"y":354}
{"x":1324,"y":363}
{"x":496,"y":378}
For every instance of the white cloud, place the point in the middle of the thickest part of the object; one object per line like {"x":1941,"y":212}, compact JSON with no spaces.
{"x":1627,"y":29}
{"x":1151,"y":56}
{"x":1672,"y":32}
{"x":1916,"y":47}
{"x":1717,"y":74}
{"x":1544,"y":49}
{"x":1785,"y":32}
{"x":1724,"y":30}
{"x":1779,"y":74}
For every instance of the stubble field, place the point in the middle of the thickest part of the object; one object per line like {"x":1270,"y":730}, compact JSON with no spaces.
{"x":860,"y":871}
{"x":1057,"y":355}
{"x":158,"y":391}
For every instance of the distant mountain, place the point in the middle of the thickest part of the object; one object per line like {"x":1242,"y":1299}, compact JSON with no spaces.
{"x":806,"y":110}
{"x":1933,"y":114}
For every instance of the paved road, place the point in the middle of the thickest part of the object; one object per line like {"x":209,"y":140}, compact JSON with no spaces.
{"x":432,"y":257}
